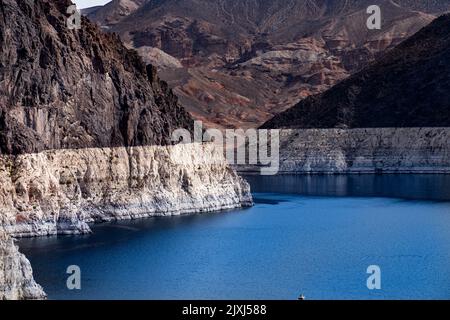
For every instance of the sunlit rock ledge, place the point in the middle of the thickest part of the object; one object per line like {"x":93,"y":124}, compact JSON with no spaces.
{"x":361,"y":151}
{"x":62,"y":191}
{"x":16,"y":275}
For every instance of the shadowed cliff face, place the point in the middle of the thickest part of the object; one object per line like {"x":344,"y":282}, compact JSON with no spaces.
{"x":238,"y":63}
{"x":62,"y":88}
{"x":114,"y":11}
{"x":408,"y":87}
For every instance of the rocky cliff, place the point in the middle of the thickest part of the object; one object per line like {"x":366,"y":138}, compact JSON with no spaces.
{"x":237,"y":63}
{"x":408,"y":87}
{"x":369,"y":150}
{"x":61,"y":191}
{"x":16,"y":275}
{"x":62,"y":88}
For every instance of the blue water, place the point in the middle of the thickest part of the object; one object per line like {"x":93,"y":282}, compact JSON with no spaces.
{"x":306,"y":235}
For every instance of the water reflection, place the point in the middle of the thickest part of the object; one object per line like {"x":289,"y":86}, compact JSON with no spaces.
{"x":412,"y":187}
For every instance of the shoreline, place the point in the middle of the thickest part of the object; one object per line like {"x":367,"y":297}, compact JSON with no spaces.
{"x":64,"y":192}
{"x":61,"y":191}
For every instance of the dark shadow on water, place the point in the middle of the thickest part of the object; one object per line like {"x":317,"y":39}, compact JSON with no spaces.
{"x":411,"y":187}
{"x":257,"y":199}
{"x":123,"y":231}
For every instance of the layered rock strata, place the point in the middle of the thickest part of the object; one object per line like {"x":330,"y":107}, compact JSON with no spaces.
{"x":71,"y":89}
{"x":61,"y":191}
{"x":376,"y":150}
{"x":85,"y":136}
{"x":408,"y":87}
{"x":239,"y":63}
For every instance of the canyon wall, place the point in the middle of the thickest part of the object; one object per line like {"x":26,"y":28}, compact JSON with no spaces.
{"x":81,"y":88}
{"x":236,"y":64}
{"x":85,"y":136}
{"x":62,"y":191}
{"x":374,"y":150}
{"x":16,"y":276}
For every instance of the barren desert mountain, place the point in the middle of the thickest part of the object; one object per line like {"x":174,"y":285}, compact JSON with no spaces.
{"x":408,"y":87}
{"x":238,"y":63}
{"x":62,"y":88}
{"x":113,"y":11}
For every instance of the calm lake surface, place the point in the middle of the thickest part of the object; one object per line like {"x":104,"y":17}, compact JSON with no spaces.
{"x":312,"y":235}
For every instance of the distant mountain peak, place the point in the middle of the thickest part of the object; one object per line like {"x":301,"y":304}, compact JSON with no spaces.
{"x":114,"y":12}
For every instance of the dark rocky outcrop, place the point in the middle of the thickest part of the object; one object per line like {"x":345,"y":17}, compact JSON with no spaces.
{"x":244,"y":61}
{"x":62,"y":88}
{"x":407,"y":87}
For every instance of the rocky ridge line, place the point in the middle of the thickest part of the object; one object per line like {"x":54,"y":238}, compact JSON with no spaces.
{"x":408,"y":87}
{"x":363,"y":151}
{"x":69,"y":89}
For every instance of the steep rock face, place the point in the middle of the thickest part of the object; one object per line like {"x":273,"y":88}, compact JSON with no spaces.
{"x":114,"y":11}
{"x":62,"y":88}
{"x":16,"y":275}
{"x":244,"y":61}
{"x":407,"y":87}
{"x":369,"y":150}
{"x":83,"y":92}
{"x":60,"y":191}
{"x":85,"y":136}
